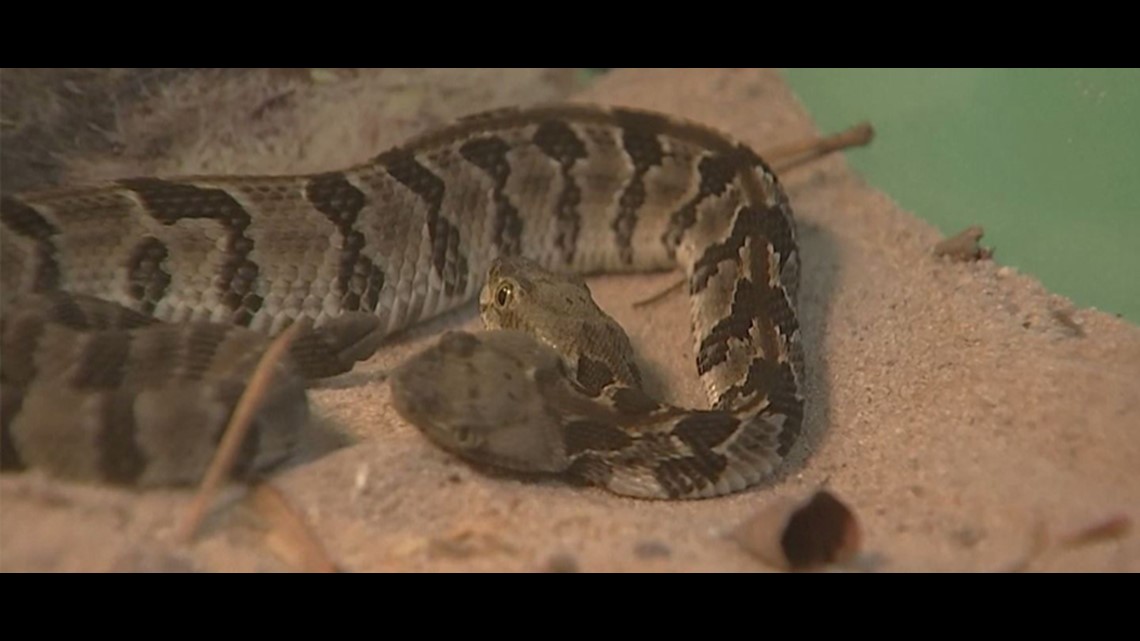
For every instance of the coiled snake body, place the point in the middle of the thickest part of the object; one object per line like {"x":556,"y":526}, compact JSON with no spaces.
{"x":97,"y":392}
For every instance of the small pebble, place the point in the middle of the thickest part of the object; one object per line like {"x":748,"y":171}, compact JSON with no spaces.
{"x":562,"y":563}
{"x":651,"y":550}
{"x":967,"y":536}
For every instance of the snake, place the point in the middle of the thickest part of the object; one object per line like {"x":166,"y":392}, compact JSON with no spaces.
{"x":134,"y":311}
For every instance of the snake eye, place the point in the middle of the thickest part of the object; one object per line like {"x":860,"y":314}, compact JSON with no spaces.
{"x":504,"y":294}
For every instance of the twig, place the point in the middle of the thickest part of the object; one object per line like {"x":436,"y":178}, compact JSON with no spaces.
{"x":653,"y":298}
{"x":288,"y":535}
{"x":1111,"y":529}
{"x":235,"y":432}
{"x":1038,"y":546}
{"x":799,"y":153}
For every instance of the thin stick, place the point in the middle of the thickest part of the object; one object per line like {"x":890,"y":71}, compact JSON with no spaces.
{"x":653,"y":298}
{"x":796,"y":154}
{"x":288,"y":535}
{"x":1111,"y":529}
{"x":1038,"y":545}
{"x":235,"y":432}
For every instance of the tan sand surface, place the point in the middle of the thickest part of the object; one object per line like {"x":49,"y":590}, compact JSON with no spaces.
{"x":949,"y":405}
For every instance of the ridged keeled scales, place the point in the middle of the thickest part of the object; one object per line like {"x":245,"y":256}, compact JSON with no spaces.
{"x":366,"y":251}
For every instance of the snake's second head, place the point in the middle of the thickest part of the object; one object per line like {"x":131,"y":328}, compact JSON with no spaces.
{"x":482,"y":396}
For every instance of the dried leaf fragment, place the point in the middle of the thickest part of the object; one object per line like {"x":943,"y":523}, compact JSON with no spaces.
{"x":1064,"y":317}
{"x":964,"y":246}
{"x":561,"y":563}
{"x":651,"y":550}
{"x":798,"y":535}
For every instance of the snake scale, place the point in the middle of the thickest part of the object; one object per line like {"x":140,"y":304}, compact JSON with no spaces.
{"x":134,"y":311}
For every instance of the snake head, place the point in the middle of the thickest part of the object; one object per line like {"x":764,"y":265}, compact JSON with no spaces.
{"x":522,"y":294}
{"x":559,"y":311}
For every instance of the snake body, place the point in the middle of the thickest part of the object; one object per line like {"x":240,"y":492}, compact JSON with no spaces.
{"x":361,"y":253}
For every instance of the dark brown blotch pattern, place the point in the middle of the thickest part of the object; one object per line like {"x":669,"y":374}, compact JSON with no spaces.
{"x":490,"y":154}
{"x":585,"y":435}
{"x":448,"y":262}
{"x":558,"y":141}
{"x":643,"y":146}
{"x":593,"y":375}
{"x":633,"y":402}
{"x":700,"y":432}
{"x":706,"y":430}
{"x":689,"y":475}
{"x":120,"y":459}
{"x":169,"y":202}
{"x":776,"y":382}
{"x":763,"y":226}
{"x":147,"y":281}
{"x":755,"y":301}
{"x":103,"y":362}
{"x":715,"y":173}
{"x":752,"y":304}
{"x":590,"y":469}
{"x":201,"y":346}
{"x":359,"y":279}
{"x":20,"y":218}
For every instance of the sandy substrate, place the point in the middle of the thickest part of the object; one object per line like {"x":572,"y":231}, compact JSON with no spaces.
{"x":962,"y":411}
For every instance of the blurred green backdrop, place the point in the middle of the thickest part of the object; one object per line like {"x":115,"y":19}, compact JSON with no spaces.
{"x":1047,"y":160}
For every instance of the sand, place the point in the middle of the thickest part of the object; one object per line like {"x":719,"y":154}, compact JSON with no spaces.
{"x":964,"y":413}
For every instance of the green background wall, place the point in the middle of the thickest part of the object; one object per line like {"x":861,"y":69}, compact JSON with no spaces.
{"x":1047,"y":160}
